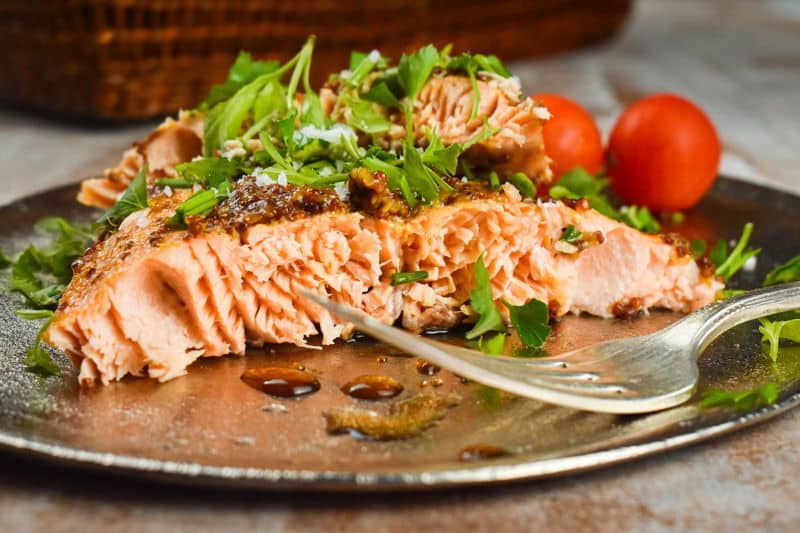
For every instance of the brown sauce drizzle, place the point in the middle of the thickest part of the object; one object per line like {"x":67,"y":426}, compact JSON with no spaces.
{"x":282,"y":382}
{"x":371,"y":387}
{"x":628,"y":309}
{"x":405,"y":419}
{"x":480,"y":452}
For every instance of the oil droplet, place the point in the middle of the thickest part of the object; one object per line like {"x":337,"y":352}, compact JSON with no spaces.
{"x":372,"y":387}
{"x":283,"y":382}
{"x":426,"y":368}
{"x":298,"y":366}
{"x":480,"y":452}
{"x":382,"y":359}
{"x":434,"y":382}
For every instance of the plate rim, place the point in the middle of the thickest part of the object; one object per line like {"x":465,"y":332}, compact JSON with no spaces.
{"x":514,"y":469}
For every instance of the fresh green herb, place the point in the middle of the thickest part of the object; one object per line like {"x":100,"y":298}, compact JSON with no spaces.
{"x":381,"y":93}
{"x":439,"y":157}
{"x":41,"y":274}
{"x":571,"y":234}
{"x":639,"y":218}
{"x":243,"y":71}
{"x":37,"y":358}
{"x":365,"y":117}
{"x":34,"y":314}
{"x":577,"y":183}
{"x":401,"y":278}
{"x":175,"y":183}
{"x":494,"y":180}
{"x":773,"y":331}
{"x":523,"y":184}
{"x":361,"y":65}
{"x":209,"y":171}
{"x":199,"y":204}
{"x":413,"y":72}
{"x":730,"y":293}
{"x":5,"y":261}
{"x":729,"y":264}
{"x":482,"y":303}
{"x":133,"y":199}
{"x":785,"y":273}
{"x":492,"y":344}
{"x":699,"y":247}
{"x":741,"y":401}
{"x":422,"y":179}
{"x":530,"y":321}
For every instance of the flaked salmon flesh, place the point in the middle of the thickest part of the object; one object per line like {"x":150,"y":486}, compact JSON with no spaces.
{"x":149,"y":302}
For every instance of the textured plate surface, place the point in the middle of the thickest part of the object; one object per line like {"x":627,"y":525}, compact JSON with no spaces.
{"x":210,"y":428}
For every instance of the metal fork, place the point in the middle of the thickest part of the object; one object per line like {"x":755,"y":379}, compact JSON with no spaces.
{"x":633,"y":375}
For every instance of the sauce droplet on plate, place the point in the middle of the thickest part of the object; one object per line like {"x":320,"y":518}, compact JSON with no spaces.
{"x":479,"y":452}
{"x":283,"y":382}
{"x":371,"y":387}
{"x":426,"y":368}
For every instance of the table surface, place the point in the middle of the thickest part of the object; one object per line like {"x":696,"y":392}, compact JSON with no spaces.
{"x":740,"y":61}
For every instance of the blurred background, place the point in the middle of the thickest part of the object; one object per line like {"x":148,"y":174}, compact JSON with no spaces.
{"x":85,"y":78}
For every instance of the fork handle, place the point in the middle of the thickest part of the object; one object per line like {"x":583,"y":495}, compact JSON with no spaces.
{"x":717,"y":318}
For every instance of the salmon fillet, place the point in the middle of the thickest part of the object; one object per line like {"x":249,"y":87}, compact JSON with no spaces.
{"x":444,"y":105}
{"x":148,"y":302}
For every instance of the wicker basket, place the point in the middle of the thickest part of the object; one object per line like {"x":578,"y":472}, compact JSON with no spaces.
{"x":132,"y":59}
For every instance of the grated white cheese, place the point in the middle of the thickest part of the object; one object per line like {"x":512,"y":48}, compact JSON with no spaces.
{"x":167,"y":190}
{"x":374,"y":56}
{"x":333,"y":135}
{"x":282,"y":179}
{"x":750,"y":264}
{"x":262,"y":177}
{"x":341,"y":190}
{"x":232,"y":148}
{"x":325,"y":171}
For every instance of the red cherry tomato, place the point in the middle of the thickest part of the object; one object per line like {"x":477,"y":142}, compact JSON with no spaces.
{"x":571,"y":136}
{"x":663,"y":153}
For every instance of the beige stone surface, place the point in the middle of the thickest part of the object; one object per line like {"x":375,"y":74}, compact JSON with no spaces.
{"x":740,"y":60}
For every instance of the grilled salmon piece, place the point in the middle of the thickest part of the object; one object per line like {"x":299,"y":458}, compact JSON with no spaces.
{"x":148,"y":301}
{"x":171,"y":143}
{"x":445,"y":105}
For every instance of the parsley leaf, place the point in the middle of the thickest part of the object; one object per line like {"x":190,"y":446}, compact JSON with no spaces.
{"x":577,"y":183}
{"x":785,"y":273}
{"x":531,"y":322}
{"x":133,"y":199}
{"x":37,"y":358}
{"x":482,"y":303}
{"x":772,"y":331}
{"x":730,"y":264}
{"x":422,"y":180}
{"x":401,"y":278}
{"x":414,"y":70}
{"x":5,"y":261}
{"x":741,"y":401}
{"x":639,"y":218}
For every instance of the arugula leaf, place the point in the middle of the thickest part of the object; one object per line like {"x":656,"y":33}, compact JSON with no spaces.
{"x":741,"y":401}
{"x":380,"y":93}
{"x":311,"y":110}
{"x":363,"y":116}
{"x":270,"y":101}
{"x":734,"y":261}
{"x":209,"y":171}
{"x":523,"y":183}
{"x":571,"y":234}
{"x":531,"y":322}
{"x":401,"y":278}
{"x":639,"y":218}
{"x":482,"y":303}
{"x":785,"y":273}
{"x":772,"y":331}
{"x":133,"y":199}
{"x":224,"y":121}
{"x":69,"y":243}
{"x":243,"y":71}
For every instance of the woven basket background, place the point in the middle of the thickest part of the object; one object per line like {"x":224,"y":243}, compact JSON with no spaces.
{"x":132,"y":59}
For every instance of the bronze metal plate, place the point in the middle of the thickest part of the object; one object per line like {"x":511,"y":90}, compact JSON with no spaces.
{"x":210,"y":428}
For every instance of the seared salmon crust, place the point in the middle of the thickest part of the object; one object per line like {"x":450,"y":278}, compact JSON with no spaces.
{"x":148,"y":302}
